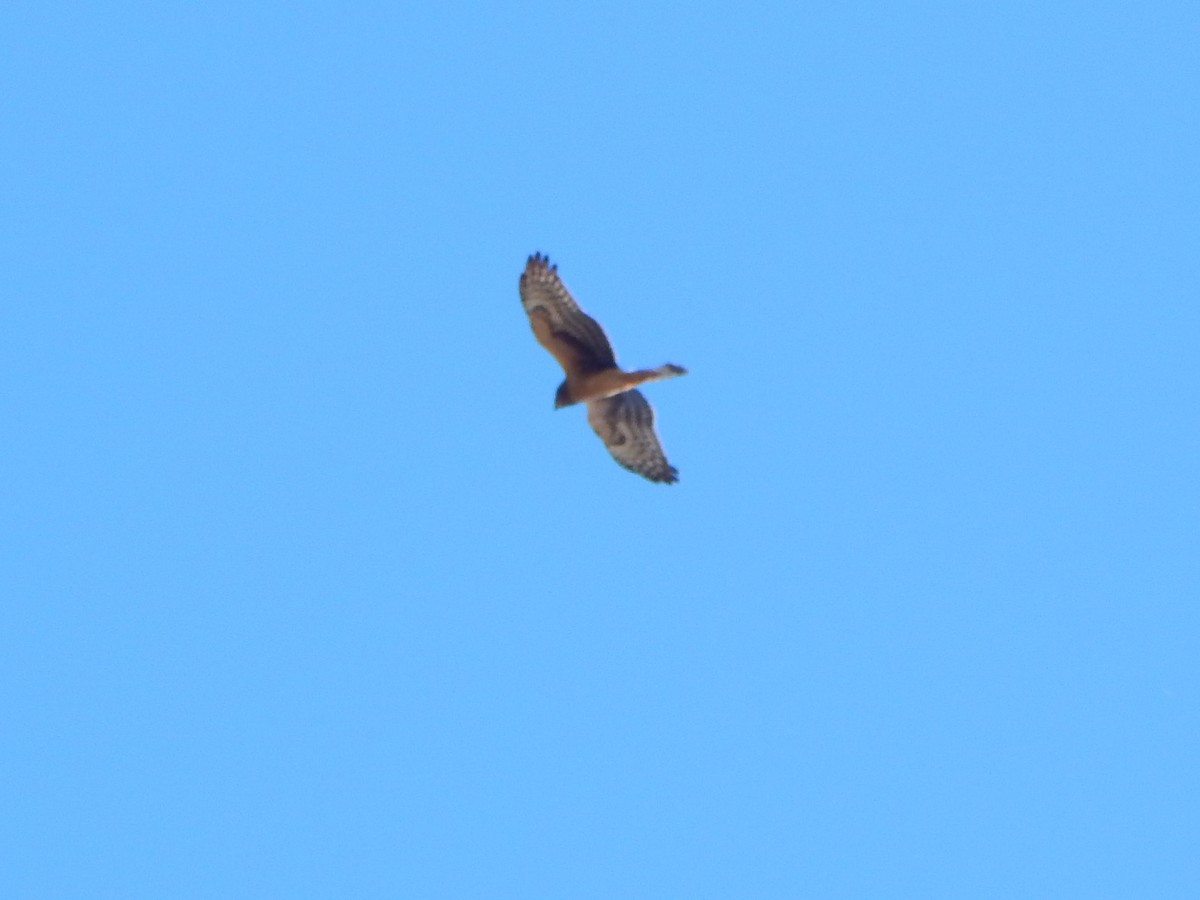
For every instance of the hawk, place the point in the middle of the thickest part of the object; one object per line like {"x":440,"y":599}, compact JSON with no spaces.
{"x":619,"y":414}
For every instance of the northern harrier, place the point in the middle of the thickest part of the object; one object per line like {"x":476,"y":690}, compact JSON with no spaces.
{"x":619,"y":414}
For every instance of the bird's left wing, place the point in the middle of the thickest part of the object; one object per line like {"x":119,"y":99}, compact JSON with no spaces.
{"x":574,"y":338}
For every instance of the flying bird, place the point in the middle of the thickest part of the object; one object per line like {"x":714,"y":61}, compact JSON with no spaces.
{"x":617,"y":412}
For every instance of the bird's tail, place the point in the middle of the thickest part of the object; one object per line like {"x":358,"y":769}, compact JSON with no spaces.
{"x":670,"y":370}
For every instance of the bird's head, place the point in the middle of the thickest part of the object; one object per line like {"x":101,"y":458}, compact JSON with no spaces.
{"x":563,"y":397}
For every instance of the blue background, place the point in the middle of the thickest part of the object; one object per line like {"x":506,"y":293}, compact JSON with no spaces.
{"x":309,"y":592}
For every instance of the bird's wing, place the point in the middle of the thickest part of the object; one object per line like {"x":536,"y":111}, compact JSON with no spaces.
{"x":625,"y":422}
{"x":572,"y":336}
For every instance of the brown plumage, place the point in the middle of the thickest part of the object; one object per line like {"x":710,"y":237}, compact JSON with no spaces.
{"x":620,"y":415}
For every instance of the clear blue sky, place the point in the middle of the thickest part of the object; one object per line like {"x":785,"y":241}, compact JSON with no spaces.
{"x":308,"y":592}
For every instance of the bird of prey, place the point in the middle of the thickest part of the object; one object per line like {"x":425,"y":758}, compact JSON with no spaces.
{"x":617,"y":412}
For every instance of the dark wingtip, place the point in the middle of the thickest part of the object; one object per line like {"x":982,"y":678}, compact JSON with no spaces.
{"x":534,"y":262}
{"x":539,"y":260}
{"x":669,"y":477}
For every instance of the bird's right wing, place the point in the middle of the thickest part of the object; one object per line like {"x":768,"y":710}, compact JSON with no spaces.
{"x":625,"y":422}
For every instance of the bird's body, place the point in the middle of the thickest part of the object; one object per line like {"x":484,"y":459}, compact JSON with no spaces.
{"x":617,"y":412}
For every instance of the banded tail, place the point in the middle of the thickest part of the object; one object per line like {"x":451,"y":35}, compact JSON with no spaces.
{"x":669,"y":370}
